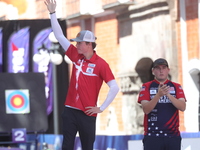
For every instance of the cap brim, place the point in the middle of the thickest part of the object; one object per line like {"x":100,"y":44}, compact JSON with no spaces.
{"x":160,"y":64}
{"x":76,"y":40}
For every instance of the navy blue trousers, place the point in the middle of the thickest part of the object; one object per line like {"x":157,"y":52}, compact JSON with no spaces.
{"x":162,"y":143}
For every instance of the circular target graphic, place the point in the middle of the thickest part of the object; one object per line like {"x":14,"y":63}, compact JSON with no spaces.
{"x":17,"y":101}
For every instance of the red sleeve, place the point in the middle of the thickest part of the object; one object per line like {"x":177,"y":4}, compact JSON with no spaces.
{"x":72,"y":53}
{"x":179,"y":91}
{"x":144,"y":93}
{"x":106,"y":73}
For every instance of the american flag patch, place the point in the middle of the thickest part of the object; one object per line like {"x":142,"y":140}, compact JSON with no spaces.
{"x":172,"y":90}
{"x":142,"y":89}
{"x":141,"y":95}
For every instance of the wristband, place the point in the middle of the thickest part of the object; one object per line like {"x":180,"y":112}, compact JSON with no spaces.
{"x":52,"y":12}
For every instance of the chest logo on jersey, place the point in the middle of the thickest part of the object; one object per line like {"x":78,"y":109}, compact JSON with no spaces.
{"x":91,"y":65}
{"x":152,"y":91}
{"x":90,"y":70}
{"x":172,"y":90}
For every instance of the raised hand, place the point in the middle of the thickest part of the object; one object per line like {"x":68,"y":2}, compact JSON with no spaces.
{"x":51,"y":5}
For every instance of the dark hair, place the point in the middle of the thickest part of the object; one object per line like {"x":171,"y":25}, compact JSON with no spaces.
{"x":93,"y":44}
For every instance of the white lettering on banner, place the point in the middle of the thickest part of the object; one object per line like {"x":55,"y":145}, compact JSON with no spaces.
{"x":18,"y":69}
{"x":18,"y":53}
{"x":18,"y":60}
{"x":43,"y":67}
{"x":47,"y":91}
{"x":19,"y":135}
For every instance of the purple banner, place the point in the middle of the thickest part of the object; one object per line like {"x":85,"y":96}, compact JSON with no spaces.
{"x":1,"y":51}
{"x":41,"y":63}
{"x":18,"y":51}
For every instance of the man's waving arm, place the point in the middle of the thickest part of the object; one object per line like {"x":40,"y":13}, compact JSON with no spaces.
{"x":51,"y":6}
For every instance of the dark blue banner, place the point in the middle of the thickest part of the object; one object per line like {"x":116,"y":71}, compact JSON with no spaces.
{"x":18,"y":51}
{"x":102,"y":142}
{"x":1,"y":51}
{"x":41,"y":63}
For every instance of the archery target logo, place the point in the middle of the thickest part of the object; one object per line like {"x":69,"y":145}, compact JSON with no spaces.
{"x":17,"y":101}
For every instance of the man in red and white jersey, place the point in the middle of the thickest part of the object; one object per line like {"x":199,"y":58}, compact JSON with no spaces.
{"x":161,"y":100}
{"x":88,"y":73}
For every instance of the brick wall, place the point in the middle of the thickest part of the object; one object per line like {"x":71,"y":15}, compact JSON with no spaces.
{"x":192,"y":28}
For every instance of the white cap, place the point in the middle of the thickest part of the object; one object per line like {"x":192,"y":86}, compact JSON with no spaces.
{"x":84,"y":35}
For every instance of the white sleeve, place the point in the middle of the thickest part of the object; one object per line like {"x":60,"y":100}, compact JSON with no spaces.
{"x":64,"y":42}
{"x":114,"y":89}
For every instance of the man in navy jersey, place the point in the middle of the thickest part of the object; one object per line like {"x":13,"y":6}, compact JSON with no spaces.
{"x":161,"y":100}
